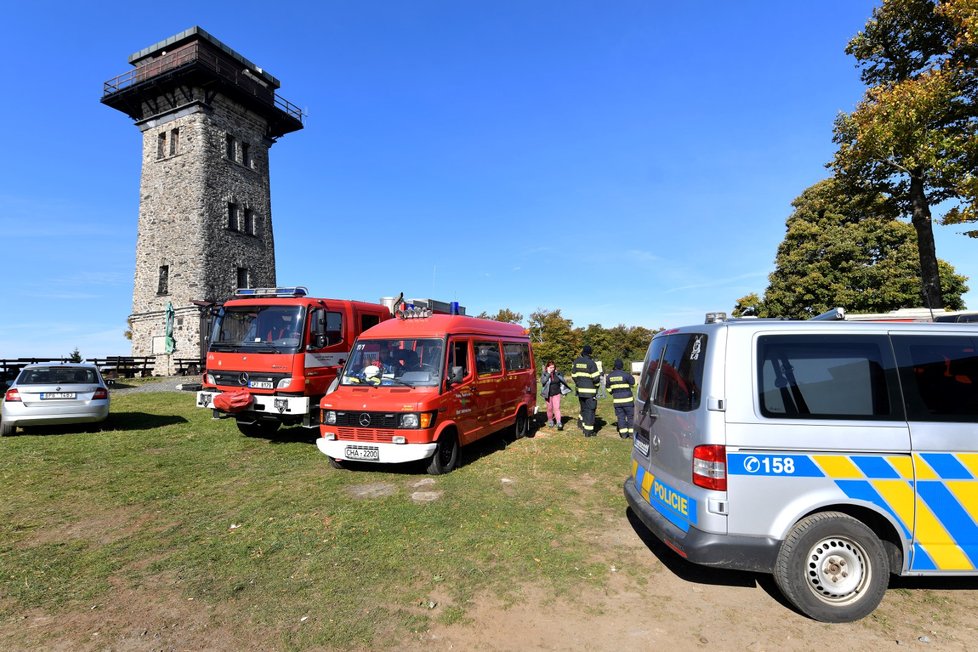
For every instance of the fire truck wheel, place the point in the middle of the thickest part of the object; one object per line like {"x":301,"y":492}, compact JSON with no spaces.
{"x":446,"y":454}
{"x":335,"y":463}
{"x":259,"y":429}
{"x":833,"y":568}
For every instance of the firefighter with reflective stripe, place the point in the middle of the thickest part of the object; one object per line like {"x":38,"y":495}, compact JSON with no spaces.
{"x":587,"y":379}
{"x":619,"y":383}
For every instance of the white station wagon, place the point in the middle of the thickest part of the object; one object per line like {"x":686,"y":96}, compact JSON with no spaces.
{"x":48,"y":394}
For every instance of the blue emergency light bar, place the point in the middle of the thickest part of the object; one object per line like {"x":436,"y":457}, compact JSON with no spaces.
{"x":298,"y":291}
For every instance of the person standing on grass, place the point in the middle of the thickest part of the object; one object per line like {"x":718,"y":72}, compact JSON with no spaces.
{"x":619,"y":384}
{"x":587,"y":378}
{"x":552,"y":387}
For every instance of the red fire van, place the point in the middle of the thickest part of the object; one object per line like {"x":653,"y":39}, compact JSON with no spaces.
{"x":420,"y":386}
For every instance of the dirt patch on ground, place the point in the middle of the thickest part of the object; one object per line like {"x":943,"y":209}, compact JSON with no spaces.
{"x":152,"y":616}
{"x":654,"y":599}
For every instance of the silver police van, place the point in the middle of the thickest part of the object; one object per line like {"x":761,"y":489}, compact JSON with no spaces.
{"x":828,"y":453}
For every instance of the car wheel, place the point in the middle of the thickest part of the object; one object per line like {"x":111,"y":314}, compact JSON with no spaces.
{"x":6,"y":429}
{"x":833,"y":568}
{"x":259,"y":428}
{"x":446,"y":454}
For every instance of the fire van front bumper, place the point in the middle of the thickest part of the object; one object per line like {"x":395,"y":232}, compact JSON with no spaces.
{"x":737,"y":552}
{"x":385,"y":453}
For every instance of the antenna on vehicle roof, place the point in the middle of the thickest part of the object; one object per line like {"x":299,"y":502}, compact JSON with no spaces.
{"x":835,"y":314}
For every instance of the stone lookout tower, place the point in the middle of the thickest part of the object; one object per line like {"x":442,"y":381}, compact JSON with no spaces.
{"x":208,"y":118}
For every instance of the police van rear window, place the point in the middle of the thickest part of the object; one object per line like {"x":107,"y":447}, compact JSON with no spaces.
{"x":827,"y":377}
{"x":940,"y":376}
{"x":674,"y":366}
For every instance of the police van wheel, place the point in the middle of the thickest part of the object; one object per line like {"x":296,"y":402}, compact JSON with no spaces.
{"x":832,"y":568}
{"x":446,"y":455}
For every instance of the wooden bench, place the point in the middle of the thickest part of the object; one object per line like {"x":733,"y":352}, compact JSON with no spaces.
{"x":126,"y":366}
{"x":189,"y":366}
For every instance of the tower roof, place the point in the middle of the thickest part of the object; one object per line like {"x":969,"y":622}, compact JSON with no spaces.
{"x":198,"y":33}
{"x":195,"y":59}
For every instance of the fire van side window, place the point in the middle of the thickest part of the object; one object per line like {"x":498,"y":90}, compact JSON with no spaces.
{"x":517,"y":355}
{"x":827,"y":377}
{"x":460,"y":356}
{"x":487,"y":360}
{"x":939,"y":376}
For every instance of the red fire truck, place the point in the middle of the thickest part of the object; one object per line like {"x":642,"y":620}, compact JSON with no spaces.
{"x":273,"y":352}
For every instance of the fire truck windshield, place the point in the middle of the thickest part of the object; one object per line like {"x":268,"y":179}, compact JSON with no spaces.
{"x":412,"y":362}
{"x":258,"y":329}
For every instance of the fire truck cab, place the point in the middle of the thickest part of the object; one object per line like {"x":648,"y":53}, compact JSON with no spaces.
{"x":274,"y":351}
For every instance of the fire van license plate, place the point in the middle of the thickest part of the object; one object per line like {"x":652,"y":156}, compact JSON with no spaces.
{"x":363,"y":453}
{"x":260,"y":384}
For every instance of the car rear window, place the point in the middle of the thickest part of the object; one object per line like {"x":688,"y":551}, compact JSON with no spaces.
{"x":62,"y":375}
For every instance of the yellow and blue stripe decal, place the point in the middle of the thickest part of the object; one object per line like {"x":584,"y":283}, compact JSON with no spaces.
{"x":678,"y":508}
{"x":941,"y":517}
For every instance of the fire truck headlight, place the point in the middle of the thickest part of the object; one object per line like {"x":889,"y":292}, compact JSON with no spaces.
{"x":285,"y":382}
{"x":399,"y":439}
{"x":330,"y":436}
{"x":329,"y":417}
{"x":409,"y":420}
{"x":210,"y":379}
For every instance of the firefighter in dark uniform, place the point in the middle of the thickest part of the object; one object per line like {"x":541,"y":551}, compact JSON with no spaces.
{"x":619,"y":383}
{"x":587,"y":379}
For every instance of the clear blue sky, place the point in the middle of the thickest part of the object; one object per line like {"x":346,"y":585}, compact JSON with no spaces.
{"x":525,"y":149}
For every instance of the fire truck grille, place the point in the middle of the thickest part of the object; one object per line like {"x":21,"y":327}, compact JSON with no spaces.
{"x":367,"y":420}
{"x":365,"y":434}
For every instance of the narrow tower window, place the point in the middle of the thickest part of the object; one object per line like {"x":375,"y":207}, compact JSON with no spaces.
{"x":229,"y":146}
{"x":164,"y":285}
{"x":232,"y":216}
{"x":245,"y":154}
{"x":161,"y":145}
{"x":243,"y":281}
{"x":249,"y":221}
{"x":174,"y":141}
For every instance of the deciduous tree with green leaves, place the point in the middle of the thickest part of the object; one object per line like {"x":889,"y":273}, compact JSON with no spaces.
{"x":912,"y":137}
{"x":504,"y":315}
{"x":849,"y":251}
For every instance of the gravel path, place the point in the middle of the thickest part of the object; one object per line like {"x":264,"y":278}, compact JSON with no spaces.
{"x":169,"y":384}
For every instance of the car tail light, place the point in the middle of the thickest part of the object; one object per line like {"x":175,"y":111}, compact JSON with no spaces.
{"x":12,"y":396}
{"x":100,"y":393}
{"x":710,"y":467}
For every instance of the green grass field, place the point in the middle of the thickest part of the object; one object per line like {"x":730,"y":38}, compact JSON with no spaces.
{"x":264,"y":531}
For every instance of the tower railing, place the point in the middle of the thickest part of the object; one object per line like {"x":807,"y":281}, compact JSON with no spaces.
{"x":193,"y":54}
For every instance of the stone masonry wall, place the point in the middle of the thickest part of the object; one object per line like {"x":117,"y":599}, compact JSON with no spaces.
{"x":184,"y":217}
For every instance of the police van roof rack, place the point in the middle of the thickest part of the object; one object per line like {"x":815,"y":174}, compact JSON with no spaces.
{"x":297,"y":291}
